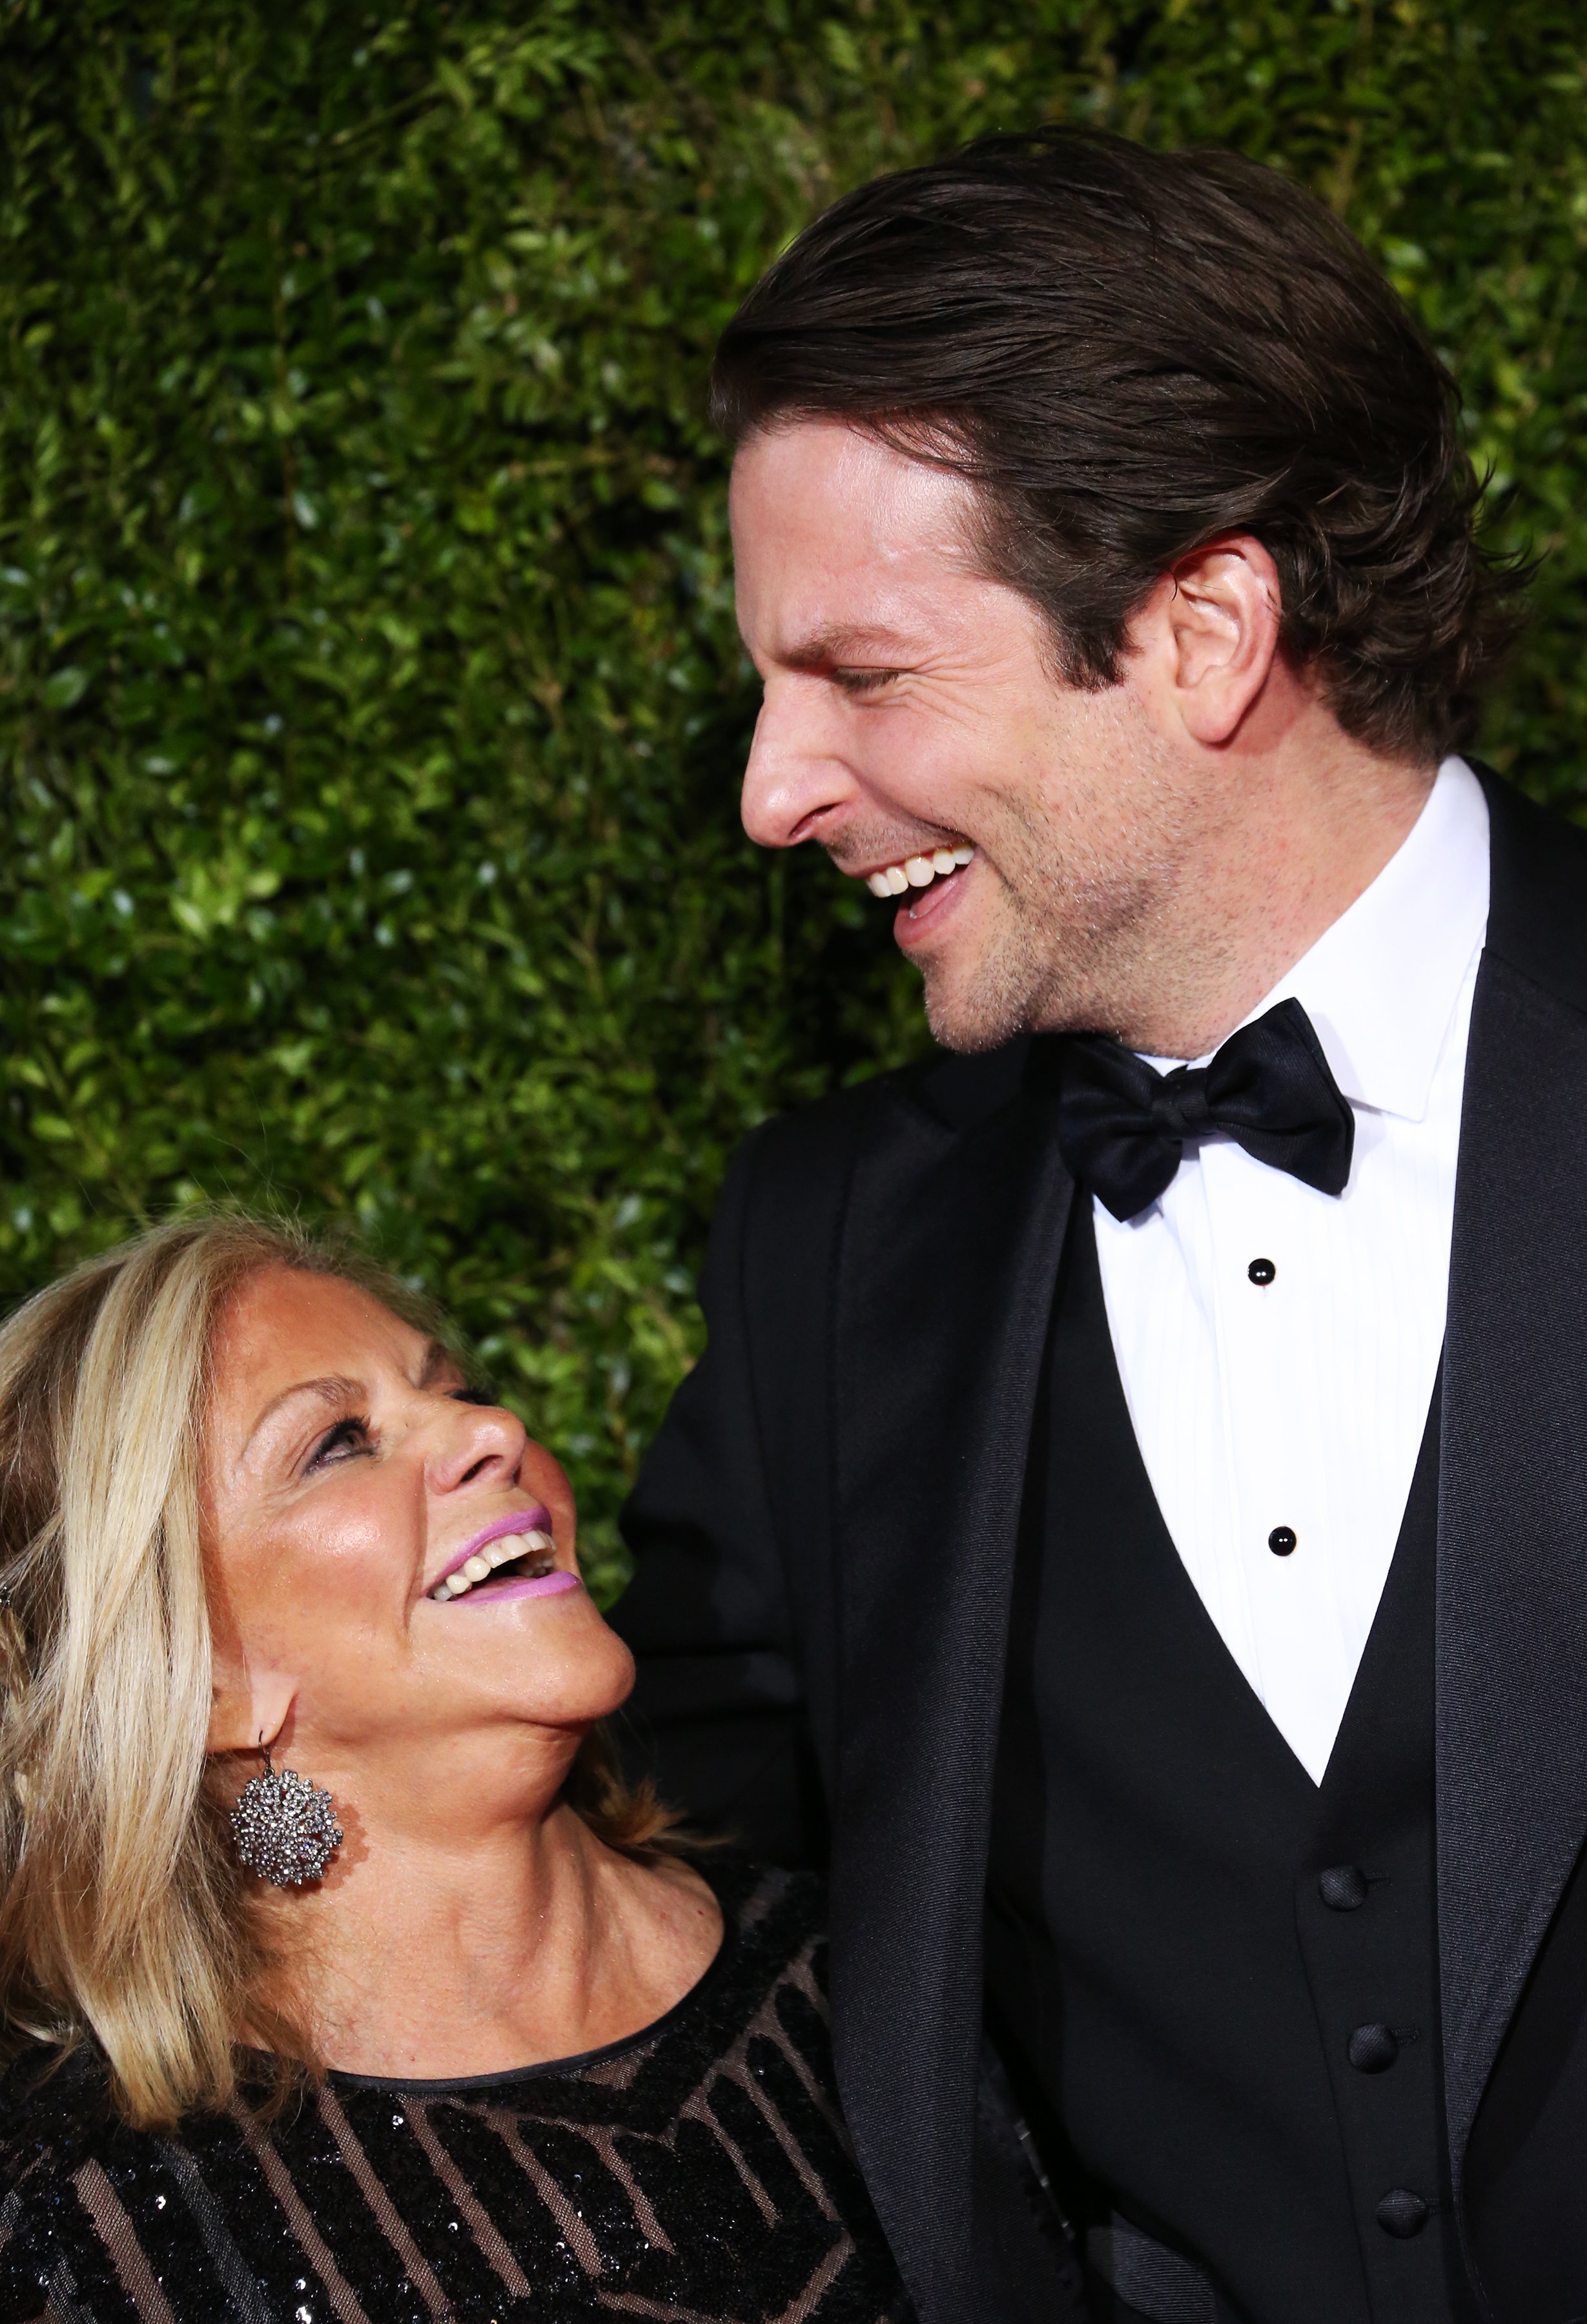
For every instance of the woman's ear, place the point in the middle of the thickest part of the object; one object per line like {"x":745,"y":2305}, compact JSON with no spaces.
{"x":245,"y":1702}
{"x":247,"y":1698}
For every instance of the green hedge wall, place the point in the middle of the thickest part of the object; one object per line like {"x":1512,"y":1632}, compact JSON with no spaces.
{"x":370,"y":702}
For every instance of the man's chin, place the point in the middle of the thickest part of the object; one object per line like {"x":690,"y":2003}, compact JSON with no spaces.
{"x":970,"y":1015}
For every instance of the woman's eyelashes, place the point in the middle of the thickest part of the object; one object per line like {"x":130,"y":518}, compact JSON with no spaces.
{"x":350,"y":1438}
{"x":347,"y":1439}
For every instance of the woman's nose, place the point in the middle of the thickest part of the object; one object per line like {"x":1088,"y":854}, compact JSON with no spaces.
{"x":478,"y":1442}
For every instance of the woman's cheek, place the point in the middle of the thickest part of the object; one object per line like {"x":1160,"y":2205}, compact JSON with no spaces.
{"x":323,"y":1585}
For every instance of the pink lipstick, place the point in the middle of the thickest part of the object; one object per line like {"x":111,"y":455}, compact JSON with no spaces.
{"x":514,"y":1556}
{"x":517,"y":1585}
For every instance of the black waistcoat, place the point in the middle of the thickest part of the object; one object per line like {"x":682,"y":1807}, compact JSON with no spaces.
{"x":1187,"y":1943}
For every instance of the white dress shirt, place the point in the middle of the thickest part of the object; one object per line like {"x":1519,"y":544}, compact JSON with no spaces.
{"x":1302,"y":1403}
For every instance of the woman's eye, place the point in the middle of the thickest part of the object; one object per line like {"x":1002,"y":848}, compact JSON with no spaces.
{"x":472,"y":1396}
{"x":339,"y":1443}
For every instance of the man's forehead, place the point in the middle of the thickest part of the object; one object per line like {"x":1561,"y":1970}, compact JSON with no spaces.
{"x":844,"y":550}
{"x":845,"y":487}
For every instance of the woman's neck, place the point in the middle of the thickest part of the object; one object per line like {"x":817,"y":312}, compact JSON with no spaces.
{"x":431,"y":1957}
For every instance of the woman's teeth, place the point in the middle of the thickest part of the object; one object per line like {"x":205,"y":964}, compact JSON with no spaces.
{"x":536,"y":1552}
{"x":919,"y":870}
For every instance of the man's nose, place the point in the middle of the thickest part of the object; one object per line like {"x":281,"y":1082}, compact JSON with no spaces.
{"x":797,"y":775}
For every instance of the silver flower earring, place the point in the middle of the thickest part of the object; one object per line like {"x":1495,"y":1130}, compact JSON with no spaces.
{"x":285,"y":1828}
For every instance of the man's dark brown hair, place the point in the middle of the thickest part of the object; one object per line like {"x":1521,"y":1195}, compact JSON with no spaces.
{"x":1131,"y":354}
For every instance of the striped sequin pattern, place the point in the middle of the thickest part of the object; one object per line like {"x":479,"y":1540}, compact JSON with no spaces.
{"x":699,"y":2173}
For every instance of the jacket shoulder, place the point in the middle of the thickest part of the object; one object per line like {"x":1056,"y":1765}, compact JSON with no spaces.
{"x":1538,"y":911}
{"x":780,"y":1222}
{"x":942,"y":1092}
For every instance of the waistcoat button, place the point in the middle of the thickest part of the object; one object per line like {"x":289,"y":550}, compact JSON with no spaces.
{"x":1373,"y":2049}
{"x":1342,"y":1887}
{"x":1401,"y":2213}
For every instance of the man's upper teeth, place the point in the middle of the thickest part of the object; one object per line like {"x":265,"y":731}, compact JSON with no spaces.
{"x":918,"y":870}
{"x":537,"y":1548}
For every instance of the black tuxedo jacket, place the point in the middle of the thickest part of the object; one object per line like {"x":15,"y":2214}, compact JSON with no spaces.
{"x":826,"y":1530}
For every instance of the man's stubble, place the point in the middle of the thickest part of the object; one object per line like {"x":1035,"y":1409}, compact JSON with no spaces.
{"x":1087,"y":925}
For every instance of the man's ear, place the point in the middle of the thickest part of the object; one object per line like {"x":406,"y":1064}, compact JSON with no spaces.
{"x":1210,"y":631}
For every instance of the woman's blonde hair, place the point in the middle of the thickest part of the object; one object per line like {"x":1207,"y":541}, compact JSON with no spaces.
{"x":123,"y":1916}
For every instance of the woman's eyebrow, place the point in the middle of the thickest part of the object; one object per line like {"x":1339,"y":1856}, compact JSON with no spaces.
{"x":334,"y":1389}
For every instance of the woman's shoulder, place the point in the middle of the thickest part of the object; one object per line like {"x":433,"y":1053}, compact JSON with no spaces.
{"x":764,"y":1909}
{"x":59,"y":2136}
{"x":52,"y":2100}
{"x":773,"y":1944}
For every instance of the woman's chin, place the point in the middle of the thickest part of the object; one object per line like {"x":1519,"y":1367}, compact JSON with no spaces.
{"x":549,"y":1657}
{"x":471,"y":1760}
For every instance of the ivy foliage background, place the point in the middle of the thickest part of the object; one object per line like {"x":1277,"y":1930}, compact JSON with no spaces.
{"x":371,"y":708}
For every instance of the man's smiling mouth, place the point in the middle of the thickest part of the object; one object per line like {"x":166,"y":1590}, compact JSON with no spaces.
{"x":919,"y":870}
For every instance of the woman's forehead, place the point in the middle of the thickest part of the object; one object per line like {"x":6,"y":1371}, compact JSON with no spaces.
{"x":288,"y":1324}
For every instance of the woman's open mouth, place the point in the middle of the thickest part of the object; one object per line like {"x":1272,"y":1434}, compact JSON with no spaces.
{"x":515,"y":1557}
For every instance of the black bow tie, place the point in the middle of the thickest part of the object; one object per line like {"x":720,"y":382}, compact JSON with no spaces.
{"x":1122,"y":1125}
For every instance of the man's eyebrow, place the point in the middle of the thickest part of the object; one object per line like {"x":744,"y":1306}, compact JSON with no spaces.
{"x":831,"y":649}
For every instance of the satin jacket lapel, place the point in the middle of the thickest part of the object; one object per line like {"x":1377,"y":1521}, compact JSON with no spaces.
{"x":1512,"y":1530}
{"x":950,"y":1254}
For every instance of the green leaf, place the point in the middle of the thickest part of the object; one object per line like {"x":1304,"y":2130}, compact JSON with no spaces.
{"x":65,"y":687}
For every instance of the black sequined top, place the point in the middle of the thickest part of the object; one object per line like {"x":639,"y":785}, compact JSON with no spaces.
{"x":698,"y":2171}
